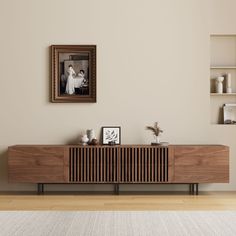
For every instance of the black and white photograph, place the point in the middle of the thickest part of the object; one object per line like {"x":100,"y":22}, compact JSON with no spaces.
{"x":74,"y":73}
{"x":111,"y":135}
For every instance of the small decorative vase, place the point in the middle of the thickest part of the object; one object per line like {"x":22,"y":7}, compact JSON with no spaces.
{"x":219,"y":84}
{"x":84,"y":139}
{"x":94,"y":142}
{"x":156,"y":140}
{"x":91,"y":134}
{"x":228,"y":83}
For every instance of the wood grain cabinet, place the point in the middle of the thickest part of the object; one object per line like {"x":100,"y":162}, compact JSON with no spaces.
{"x":201,"y":164}
{"x":134,"y":164}
{"x":37,"y":164}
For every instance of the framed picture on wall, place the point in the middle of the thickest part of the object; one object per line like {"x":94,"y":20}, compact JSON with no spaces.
{"x":111,"y":135}
{"x":73,"y":75}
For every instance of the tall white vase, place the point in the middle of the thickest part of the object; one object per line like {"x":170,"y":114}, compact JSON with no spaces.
{"x":228,"y":83}
{"x":219,"y":84}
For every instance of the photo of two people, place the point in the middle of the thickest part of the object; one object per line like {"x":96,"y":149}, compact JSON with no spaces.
{"x":74,"y":74}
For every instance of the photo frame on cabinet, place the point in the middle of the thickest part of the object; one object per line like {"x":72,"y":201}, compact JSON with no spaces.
{"x":73,"y":73}
{"x":111,"y":135}
{"x":229,"y":112}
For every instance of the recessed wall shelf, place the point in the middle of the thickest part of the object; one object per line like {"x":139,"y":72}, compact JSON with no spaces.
{"x":223,"y":94}
{"x":225,"y":124}
{"x":223,"y":67}
{"x":222,"y":62}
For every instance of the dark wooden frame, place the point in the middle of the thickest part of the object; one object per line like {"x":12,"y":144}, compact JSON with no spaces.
{"x":117,"y":127}
{"x":55,"y":80}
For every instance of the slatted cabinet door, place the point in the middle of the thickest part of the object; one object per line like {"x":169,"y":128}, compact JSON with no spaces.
{"x":120,"y":164}
{"x":93,"y":164}
{"x":144,"y":164}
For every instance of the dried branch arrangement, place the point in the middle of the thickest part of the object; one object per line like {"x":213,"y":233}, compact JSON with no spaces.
{"x":155,"y":129}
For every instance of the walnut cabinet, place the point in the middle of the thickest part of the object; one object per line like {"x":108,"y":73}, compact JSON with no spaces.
{"x":47,"y":164}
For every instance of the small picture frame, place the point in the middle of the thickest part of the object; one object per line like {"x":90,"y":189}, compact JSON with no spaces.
{"x":111,"y":135}
{"x":73,"y":73}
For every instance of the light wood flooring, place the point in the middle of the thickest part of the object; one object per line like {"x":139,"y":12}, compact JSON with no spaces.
{"x":124,"y":201}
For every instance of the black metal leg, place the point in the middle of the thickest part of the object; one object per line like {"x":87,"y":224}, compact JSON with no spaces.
{"x":196,"y":189}
{"x":191,"y":189}
{"x":40,"y":188}
{"x":117,"y":189}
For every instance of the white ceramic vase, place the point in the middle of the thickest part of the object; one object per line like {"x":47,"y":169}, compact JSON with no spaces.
{"x":228,"y":83}
{"x":84,"y":139}
{"x":219,"y":84}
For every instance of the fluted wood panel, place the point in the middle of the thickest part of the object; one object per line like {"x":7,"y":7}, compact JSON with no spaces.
{"x":144,"y":164}
{"x":93,"y":164}
{"x":118,"y":164}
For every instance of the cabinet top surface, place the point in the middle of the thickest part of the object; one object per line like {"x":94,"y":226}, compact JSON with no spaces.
{"x":123,"y":145}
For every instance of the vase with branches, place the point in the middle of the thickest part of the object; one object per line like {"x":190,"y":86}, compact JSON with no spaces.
{"x":156,"y":130}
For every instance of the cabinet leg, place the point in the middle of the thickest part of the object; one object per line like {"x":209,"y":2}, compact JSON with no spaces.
{"x":191,"y":189}
{"x":117,"y":189}
{"x":40,"y":188}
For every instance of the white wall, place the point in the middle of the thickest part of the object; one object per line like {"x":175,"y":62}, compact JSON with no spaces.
{"x":152,"y":65}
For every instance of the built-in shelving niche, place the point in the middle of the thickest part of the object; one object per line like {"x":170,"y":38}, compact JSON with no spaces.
{"x":223,"y":60}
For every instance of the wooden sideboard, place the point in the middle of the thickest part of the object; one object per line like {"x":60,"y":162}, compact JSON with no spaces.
{"x":123,"y":164}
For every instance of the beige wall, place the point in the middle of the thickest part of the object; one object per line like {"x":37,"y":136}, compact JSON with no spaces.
{"x":152,"y":64}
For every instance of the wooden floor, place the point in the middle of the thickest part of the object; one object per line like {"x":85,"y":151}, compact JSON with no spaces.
{"x":124,"y":201}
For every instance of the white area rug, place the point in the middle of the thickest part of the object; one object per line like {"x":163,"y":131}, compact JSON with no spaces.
{"x":107,"y":223}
